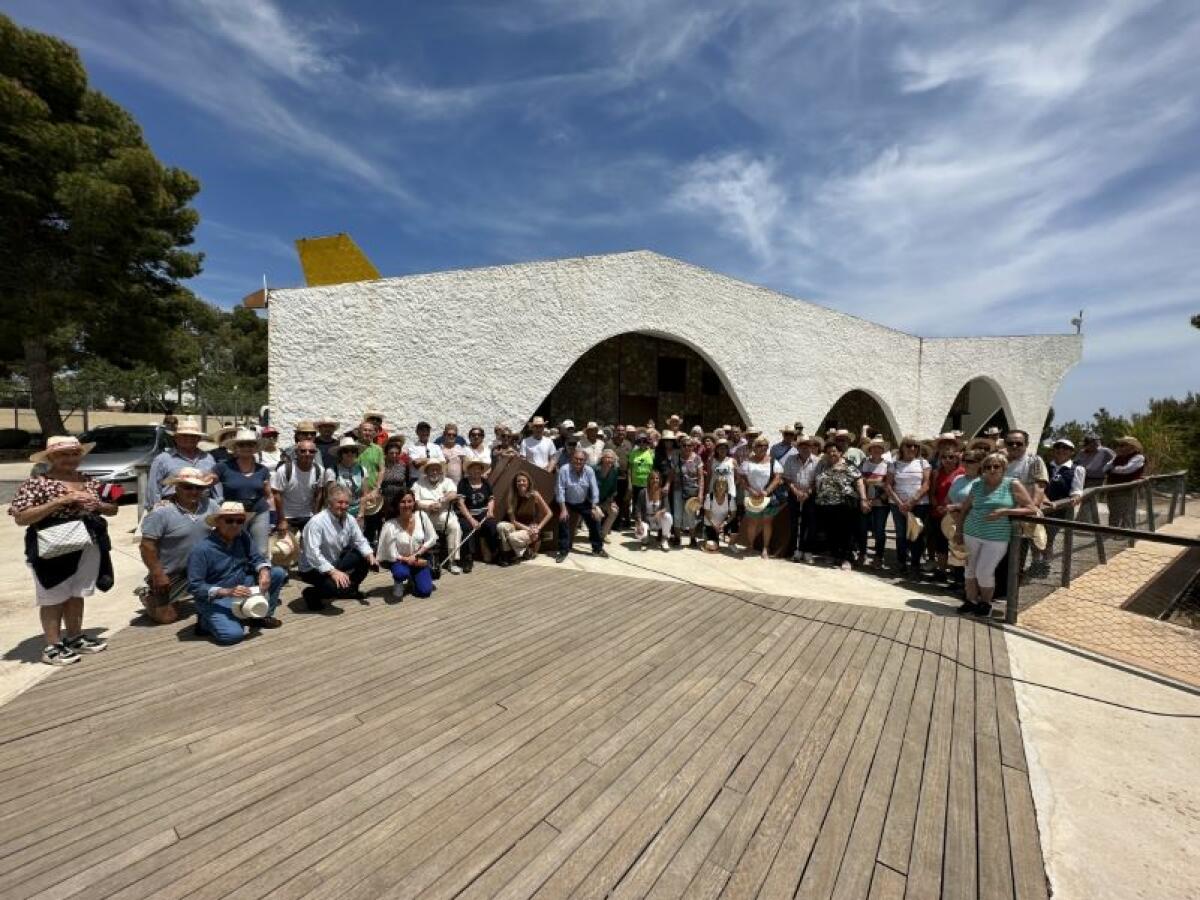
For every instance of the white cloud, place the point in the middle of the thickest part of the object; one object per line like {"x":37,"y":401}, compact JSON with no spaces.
{"x":741,"y":193}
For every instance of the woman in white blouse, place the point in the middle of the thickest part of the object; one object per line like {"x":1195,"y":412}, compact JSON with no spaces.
{"x":404,"y":544}
{"x":908,"y":489}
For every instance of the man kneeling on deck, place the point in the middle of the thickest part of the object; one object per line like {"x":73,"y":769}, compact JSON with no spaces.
{"x":335,"y":555}
{"x":169,"y":532}
{"x":228,"y":578}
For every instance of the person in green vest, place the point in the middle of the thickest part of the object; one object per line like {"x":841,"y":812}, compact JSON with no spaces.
{"x":641,"y":464}
{"x":372,"y":461}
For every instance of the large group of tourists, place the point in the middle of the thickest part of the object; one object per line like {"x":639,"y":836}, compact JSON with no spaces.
{"x":230,"y":517}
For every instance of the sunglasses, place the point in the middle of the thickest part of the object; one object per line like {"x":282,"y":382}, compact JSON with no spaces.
{"x":228,"y":521}
{"x":306,"y":452}
{"x":1014,"y":443}
{"x":184,"y":486}
{"x":993,"y":467}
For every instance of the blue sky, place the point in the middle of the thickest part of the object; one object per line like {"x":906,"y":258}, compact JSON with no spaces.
{"x":946,"y":168}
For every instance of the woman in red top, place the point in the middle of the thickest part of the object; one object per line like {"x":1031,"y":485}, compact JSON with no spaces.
{"x":949,"y":468}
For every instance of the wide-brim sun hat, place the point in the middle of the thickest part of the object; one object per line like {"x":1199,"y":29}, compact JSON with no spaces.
{"x":317,"y":423}
{"x":189,"y":427}
{"x":668,"y":435}
{"x":284,"y":550}
{"x":255,"y":606}
{"x":1062,"y":442}
{"x":474,"y":462}
{"x":241,"y":436}
{"x":757,"y":504}
{"x":228,"y":508}
{"x":308,"y":426}
{"x":189,"y":475}
{"x":349,"y":443}
{"x":1129,"y":440}
{"x":537,"y":420}
{"x":914,"y":527}
{"x":61,"y":443}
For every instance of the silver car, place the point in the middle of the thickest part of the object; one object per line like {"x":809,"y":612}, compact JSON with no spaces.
{"x":119,"y":450}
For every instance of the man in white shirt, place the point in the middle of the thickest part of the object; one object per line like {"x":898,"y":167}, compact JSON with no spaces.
{"x":799,"y":474}
{"x":592,"y":443}
{"x":336,"y":556}
{"x":296,"y":486}
{"x":436,"y":495}
{"x":538,"y":449}
{"x":421,"y":451}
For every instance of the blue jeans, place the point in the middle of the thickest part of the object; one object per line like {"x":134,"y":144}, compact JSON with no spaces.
{"x":877,"y":528}
{"x":217,"y":615}
{"x":564,"y":528}
{"x":420,"y":577}
{"x":909,"y":553}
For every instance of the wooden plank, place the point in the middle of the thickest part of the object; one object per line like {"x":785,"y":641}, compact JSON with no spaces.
{"x":995,"y":863}
{"x":808,"y":859}
{"x":1029,"y":871}
{"x":375,"y":808}
{"x":687,"y":863}
{"x":840,"y":659}
{"x":924,"y":866}
{"x":501,"y":871}
{"x":1012,"y":746}
{"x":887,"y":884}
{"x":862,"y":848}
{"x":960,"y":877}
{"x":896,"y":841}
{"x":847,"y":704}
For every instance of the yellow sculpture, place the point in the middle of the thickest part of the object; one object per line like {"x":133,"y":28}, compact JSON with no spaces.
{"x":335,"y":259}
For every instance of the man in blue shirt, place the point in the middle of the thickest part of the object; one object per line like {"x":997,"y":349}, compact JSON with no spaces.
{"x":186,"y":454}
{"x":577,"y":491}
{"x":222,"y":569}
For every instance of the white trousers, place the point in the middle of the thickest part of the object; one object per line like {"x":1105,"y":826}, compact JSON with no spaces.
{"x":982,"y":559}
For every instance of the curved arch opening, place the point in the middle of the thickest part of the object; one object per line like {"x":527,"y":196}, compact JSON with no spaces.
{"x":859,"y":407}
{"x":979,"y":405}
{"x":636,"y":377}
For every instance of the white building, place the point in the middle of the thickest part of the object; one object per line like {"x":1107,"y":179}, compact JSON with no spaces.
{"x":576,"y":337}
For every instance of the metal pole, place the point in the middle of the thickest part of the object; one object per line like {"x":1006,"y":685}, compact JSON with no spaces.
{"x":1067,"y":550}
{"x":1101,"y":553}
{"x":143,"y":485}
{"x":1150,"y":503}
{"x":1014,"y":576}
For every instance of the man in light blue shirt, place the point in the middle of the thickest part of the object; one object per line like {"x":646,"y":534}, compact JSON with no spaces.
{"x":222,"y":569}
{"x":186,"y":454}
{"x":577,"y":491}
{"x":336,"y":556}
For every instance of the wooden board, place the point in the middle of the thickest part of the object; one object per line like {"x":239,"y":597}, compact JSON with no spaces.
{"x":530,"y":732}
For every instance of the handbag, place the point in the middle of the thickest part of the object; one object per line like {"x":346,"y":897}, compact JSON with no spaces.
{"x":59,"y":540}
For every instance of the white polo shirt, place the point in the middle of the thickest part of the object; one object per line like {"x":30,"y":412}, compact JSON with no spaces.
{"x":538,"y":451}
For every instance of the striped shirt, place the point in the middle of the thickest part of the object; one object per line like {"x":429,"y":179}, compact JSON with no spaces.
{"x":983,"y":501}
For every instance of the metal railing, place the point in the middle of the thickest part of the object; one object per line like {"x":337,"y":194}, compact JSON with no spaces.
{"x":1077,"y":541}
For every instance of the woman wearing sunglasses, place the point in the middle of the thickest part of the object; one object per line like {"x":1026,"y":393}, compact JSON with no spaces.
{"x":985,"y":529}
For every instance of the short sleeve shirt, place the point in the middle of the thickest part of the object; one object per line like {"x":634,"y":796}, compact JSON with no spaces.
{"x":907,"y":476}
{"x":176,"y":532}
{"x":297,"y":491}
{"x":475,"y":498}
{"x":39,"y":489}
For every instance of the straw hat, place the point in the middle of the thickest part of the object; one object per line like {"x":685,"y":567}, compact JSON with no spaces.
{"x":372,"y":414}
{"x":479,"y":462}
{"x":58,"y":444}
{"x":1129,"y":441}
{"x":877,"y":442}
{"x":668,"y":435}
{"x":253,"y":607}
{"x":757,"y":504}
{"x":222,"y":434}
{"x":947,"y":437}
{"x":241,"y":436}
{"x":307,"y":425}
{"x":189,"y":426}
{"x":188,"y":475}
{"x":957,"y":555}
{"x":692,"y":505}
{"x":914,"y":527}
{"x":324,"y":420}
{"x":284,"y":550}
{"x":788,"y":429}
{"x":228,"y":508}
{"x":349,"y":443}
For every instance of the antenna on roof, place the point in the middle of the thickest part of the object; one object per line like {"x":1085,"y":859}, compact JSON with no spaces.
{"x":1078,"y":322}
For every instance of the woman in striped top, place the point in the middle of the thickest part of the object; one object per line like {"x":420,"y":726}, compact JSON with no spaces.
{"x":984,"y":527}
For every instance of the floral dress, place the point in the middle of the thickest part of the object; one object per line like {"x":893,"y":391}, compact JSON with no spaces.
{"x":835,"y":486}
{"x":38,"y":490}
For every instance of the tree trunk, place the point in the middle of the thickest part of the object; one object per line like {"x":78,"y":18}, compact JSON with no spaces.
{"x":41,"y":386}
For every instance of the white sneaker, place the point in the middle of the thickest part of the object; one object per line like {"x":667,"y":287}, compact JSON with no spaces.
{"x":455,"y":569}
{"x":797,"y":556}
{"x":664,"y":545}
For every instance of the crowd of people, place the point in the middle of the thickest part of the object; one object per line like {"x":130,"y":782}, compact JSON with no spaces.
{"x":227,"y":520}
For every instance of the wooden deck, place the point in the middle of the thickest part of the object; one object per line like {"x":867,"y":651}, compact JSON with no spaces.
{"x":529,"y":732}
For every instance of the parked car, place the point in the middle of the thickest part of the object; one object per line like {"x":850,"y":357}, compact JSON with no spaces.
{"x":119,"y":450}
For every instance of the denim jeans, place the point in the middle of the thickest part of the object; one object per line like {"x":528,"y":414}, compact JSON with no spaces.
{"x":217,"y":616}
{"x":909,"y":553}
{"x":419,"y":577}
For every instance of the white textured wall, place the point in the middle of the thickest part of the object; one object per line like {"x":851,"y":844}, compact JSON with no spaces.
{"x":481,"y":346}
